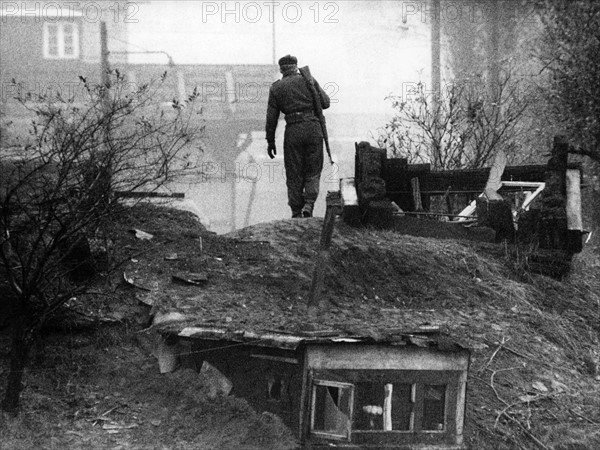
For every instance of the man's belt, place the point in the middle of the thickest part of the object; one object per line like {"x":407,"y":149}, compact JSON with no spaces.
{"x":299,"y":116}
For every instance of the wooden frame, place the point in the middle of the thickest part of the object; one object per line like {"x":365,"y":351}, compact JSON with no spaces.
{"x":326,"y":383}
{"x":451,"y":380}
{"x":536,"y":188}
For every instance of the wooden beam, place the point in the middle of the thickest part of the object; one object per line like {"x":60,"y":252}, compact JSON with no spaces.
{"x":350,"y":206}
{"x":574,"y":217}
{"x":416,"y":194}
{"x":398,"y":179}
{"x":275,"y":358}
{"x":123,"y":194}
{"x":387,"y":407}
{"x":334,"y":207}
{"x":430,"y":214}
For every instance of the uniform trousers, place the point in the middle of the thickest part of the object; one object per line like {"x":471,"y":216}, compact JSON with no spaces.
{"x":303,"y":160}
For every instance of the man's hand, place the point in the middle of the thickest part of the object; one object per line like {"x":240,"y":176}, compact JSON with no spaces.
{"x":271,"y":150}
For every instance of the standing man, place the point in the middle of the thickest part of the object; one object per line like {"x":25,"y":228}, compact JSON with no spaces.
{"x":303,"y":139}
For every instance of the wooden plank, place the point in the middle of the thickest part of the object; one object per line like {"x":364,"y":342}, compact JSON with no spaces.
{"x":419,"y":168}
{"x":385,"y":357}
{"x":460,"y":404}
{"x":457,"y":181}
{"x":446,"y":192}
{"x":494,"y":180}
{"x":138,"y":194}
{"x":334,"y":207}
{"x":351,"y":208}
{"x":574,"y":218}
{"x":429,"y":214}
{"x":556,"y":182}
{"x":416,"y":194}
{"x":387,"y":407}
{"x":348,"y":192}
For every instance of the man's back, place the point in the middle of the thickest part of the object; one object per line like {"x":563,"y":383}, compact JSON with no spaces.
{"x":291,"y":94}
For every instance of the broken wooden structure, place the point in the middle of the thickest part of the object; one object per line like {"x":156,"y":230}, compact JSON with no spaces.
{"x":547,"y":217}
{"x":402,"y":389}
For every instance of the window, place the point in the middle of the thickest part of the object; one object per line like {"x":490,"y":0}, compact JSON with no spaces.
{"x":61,"y":40}
{"x":368,"y":403}
{"x":392,"y":407}
{"x":331,"y":409}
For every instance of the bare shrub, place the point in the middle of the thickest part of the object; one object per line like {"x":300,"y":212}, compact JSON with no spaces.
{"x":57,"y":197}
{"x":463,"y":128}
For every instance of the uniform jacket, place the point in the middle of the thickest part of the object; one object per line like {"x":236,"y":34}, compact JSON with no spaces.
{"x":288,"y":95}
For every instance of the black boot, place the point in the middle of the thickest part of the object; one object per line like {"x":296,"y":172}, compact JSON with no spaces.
{"x":307,"y":210}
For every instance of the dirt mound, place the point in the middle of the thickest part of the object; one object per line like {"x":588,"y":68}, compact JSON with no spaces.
{"x":534,"y":341}
{"x":259,"y":278}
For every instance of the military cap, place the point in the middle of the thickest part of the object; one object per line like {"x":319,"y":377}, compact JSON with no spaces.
{"x":288,"y":60}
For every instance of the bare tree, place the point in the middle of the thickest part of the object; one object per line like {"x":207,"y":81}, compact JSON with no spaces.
{"x":57,"y":199}
{"x":463,"y":129}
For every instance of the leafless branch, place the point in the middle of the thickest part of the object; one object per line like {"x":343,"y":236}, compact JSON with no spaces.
{"x":53,"y":204}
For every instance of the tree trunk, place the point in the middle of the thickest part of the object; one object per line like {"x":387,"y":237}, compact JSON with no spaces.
{"x":21,"y":346}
